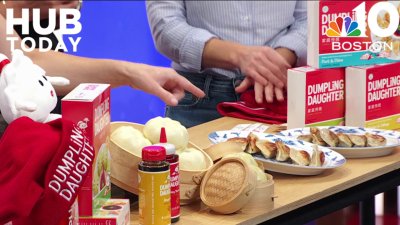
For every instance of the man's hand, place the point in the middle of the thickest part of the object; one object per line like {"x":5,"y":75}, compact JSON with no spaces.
{"x":267,"y":92}
{"x":288,"y":55}
{"x":260,"y":63}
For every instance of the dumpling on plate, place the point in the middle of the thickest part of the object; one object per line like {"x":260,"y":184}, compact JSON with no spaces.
{"x":241,"y":140}
{"x":316,"y":134}
{"x":318,"y":140}
{"x":251,"y":147}
{"x":273,"y":129}
{"x":283,"y":151}
{"x":329,"y":137}
{"x":375,"y":140}
{"x":344,"y":140}
{"x":358,"y":140}
{"x":299,"y":157}
{"x":305,"y":137}
{"x":268,"y":149}
{"x":318,"y":157}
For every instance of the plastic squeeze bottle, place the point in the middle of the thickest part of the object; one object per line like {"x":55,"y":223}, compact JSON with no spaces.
{"x":173,"y":160}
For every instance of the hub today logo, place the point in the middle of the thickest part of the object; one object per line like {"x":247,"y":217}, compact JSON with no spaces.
{"x":354,"y":24}
{"x":68,"y":25}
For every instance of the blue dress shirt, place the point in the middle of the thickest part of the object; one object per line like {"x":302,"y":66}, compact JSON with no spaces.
{"x":181,"y":28}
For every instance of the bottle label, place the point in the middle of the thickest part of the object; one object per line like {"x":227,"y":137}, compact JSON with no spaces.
{"x":175,"y":195}
{"x":154,"y":198}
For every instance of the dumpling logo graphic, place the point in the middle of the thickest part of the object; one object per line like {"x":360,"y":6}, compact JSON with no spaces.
{"x":343,"y":28}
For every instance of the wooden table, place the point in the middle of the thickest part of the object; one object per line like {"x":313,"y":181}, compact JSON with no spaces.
{"x":299,"y":198}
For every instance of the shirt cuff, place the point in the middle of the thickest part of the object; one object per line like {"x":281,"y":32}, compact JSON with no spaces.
{"x":295,"y":44}
{"x":191,"y":53}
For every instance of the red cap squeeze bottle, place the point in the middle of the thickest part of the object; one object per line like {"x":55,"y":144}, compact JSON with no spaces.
{"x":173,"y":160}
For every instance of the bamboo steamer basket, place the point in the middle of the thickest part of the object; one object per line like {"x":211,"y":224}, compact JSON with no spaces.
{"x":264,"y":193}
{"x":124,"y":169}
{"x":228,"y":185}
{"x":263,"y":197}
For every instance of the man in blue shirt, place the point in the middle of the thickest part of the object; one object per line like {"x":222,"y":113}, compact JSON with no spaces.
{"x":217,"y":44}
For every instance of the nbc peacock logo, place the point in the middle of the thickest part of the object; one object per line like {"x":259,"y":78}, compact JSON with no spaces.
{"x":343,"y":28}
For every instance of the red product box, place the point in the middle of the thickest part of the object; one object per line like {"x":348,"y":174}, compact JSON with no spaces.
{"x":316,"y":97}
{"x":352,"y":33}
{"x":113,"y":212}
{"x":373,"y":96}
{"x":88,"y":106}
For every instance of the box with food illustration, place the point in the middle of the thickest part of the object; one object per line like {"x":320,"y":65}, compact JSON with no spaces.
{"x":88,"y":106}
{"x":373,"y":96}
{"x":315,"y":97}
{"x":113,"y":212}
{"x":352,"y":33}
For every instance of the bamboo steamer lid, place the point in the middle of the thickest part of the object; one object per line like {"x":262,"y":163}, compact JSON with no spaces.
{"x":219,"y":150}
{"x":228,"y":186}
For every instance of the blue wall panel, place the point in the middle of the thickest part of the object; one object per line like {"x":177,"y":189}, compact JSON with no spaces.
{"x":119,"y":30}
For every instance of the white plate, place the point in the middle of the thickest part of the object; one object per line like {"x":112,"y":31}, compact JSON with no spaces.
{"x":332,"y":158}
{"x":392,"y":139}
{"x":221,"y":136}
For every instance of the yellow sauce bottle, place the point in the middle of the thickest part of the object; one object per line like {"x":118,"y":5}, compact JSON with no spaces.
{"x":154,"y":187}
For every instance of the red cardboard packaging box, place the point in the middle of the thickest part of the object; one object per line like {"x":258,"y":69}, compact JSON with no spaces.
{"x":88,"y":106}
{"x":352,"y":33}
{"x":373,"y":96}
{"x":316,"y":97}
{"x":113,"y":212}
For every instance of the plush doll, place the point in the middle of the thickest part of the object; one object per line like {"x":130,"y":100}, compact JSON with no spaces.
{"x":35,"y":187}
{"x":25,"y":90}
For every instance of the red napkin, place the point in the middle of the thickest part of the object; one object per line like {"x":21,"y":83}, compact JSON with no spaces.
{"x":247,"y":108}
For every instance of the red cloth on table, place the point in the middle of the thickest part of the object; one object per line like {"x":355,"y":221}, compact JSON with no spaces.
{"x":247,"y":108}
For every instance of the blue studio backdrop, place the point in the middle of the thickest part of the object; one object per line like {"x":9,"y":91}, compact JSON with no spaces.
{"x":119,"y":30}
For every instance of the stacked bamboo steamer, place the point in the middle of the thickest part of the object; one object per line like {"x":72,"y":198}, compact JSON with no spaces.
{"x":228,"y":186}
{"x":232,"y":184}
{"x":225,"y":187}
{"x":124,"y":168}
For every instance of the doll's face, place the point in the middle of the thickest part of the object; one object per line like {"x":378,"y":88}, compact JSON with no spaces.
{"x":35,"y":87}
{"x":40,"y":92}
{"x":29,"y":85}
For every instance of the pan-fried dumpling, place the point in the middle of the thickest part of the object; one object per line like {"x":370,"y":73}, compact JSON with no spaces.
{"x":318,"y":140}
{"x":318,"y":157}
{"x":268,"y":149}
{"x":283,"y":151}
{"x":358,"y":140}
{"x":329,"y":137}
{"x":241,"y":140}
{"x":344,"y":140}
{"x":305,"y":137}
{"x":315,"y":132}
{"x":273,"y":129}
{"x":374,"y":140}
{"x":251,"y":147}
{"x":299,"y":157}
